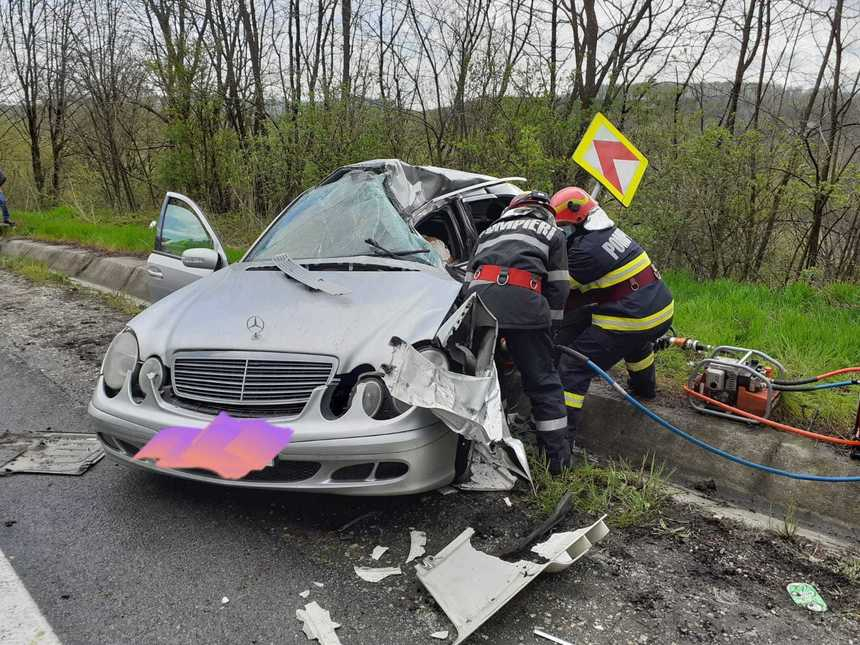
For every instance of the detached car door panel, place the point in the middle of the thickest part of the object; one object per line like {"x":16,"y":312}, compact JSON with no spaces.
{"x":181,"y":227}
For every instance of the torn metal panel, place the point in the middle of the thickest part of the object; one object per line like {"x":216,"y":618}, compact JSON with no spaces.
{"x":54,"y":453}
{"x":378,"y":552}
{"x":470,"y":586}
{"x":469,"y":405}
{"x":375,"y":574}
{"x":300,"y":274}
{"x":318,"y":624}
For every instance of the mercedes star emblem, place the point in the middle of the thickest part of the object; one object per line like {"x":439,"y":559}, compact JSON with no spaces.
{"x":255,"y":325}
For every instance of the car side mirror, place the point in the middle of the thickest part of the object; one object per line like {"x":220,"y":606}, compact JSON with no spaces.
{"x":200,"y":259}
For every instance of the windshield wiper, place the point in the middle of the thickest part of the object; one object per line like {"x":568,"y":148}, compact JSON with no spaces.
{"x":393,"y":254}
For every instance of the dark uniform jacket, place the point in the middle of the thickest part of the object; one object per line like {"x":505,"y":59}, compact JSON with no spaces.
{"x":523,"y":239}
{"x":601,"y":259}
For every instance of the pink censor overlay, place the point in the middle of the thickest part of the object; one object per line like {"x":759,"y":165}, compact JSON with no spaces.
{"x":231,"y":448}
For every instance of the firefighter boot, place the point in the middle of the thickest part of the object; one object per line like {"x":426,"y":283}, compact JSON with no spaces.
{"x":643,"y":383}
{"x":556,"y":447}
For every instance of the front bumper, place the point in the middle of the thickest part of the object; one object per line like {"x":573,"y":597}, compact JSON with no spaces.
{"x":351,"y":455}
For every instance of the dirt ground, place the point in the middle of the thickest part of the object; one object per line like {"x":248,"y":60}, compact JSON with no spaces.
{"x":693,"y":578}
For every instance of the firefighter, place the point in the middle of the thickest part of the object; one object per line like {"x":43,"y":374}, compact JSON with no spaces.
{"x":618,"y":306}
{"x":519,"y":270}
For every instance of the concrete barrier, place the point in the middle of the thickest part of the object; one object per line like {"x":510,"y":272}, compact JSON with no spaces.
{"x":114,"y":273}
{"x":611,"y":427}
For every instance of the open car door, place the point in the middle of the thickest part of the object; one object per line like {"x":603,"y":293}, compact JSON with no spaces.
{"x":186,"y":247}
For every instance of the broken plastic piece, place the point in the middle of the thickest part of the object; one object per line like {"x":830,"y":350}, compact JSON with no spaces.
{"x":508,"y":502}
{"x":319,"y":584}
{"x":52,"y":453}
{"x":224,"y":600}
{"x":418,"y":540}
{"x":470,"y":586}
{"x":440,"y":635}
{"x":378,"y":552}
{"x":305,"y":593}
{"x":318,"y":624}
{"x":375,"y":574}
{"x":805,"y":595}
{"x":550,"y":637}
{"x":447,"y":490}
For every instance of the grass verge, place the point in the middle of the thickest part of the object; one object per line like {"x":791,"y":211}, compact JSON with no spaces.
{"x":122,"y":233}
{"x":39,"y":272}
{"x":631,"y":496}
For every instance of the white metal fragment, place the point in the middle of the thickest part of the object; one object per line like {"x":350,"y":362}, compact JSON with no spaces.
{"x":447,"y":490}
{"x":440,"y":635}
{"x":508,"y":502}
{"x":550,"y":637}
{"x":375,"y":574}
{"x":470,"y":586}
{"x":305,"y":593}
{"x":418,"y":540}
{"x":318,"y":624}
{"x":224,"y":600}
{"x":378,"y":552}
{"x":319,"y":584}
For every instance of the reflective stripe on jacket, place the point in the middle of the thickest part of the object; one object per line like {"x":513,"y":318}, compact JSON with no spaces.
{"x":602,"y":259}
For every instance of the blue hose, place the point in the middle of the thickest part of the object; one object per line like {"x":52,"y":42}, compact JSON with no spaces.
{"x":701,"y":444}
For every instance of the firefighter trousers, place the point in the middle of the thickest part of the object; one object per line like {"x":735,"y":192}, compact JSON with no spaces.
{"x":532,"y":353}
{"x":606,"y":349}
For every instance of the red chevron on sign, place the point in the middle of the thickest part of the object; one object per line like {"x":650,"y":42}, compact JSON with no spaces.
{"x":609,"y":152}
{"x":609,"y":157}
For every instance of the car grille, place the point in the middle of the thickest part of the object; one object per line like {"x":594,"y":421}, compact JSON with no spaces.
{"x":265,"y":380}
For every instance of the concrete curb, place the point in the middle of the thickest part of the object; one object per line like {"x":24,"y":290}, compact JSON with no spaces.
{"x":112,"y":273}
{"x":611,"y":427}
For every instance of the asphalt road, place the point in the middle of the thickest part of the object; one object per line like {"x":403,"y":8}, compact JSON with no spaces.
{"x":121,"y":556}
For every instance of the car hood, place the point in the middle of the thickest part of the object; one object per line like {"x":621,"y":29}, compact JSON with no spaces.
{"x":213,"y":313}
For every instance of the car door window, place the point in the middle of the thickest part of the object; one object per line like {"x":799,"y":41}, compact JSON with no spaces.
{"x":440,"y":230}
{"x":182,"y":230}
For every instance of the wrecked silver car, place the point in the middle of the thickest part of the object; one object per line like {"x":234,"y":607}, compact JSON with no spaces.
{"x":327,"y":325}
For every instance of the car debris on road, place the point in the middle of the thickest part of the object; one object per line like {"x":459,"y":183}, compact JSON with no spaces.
{"x":318,"y":625}
{"x":48,"y":453}
{"x":375,"y":574}
{"x":378,"y":552}
{"x":418,"y":540}
{"x":470,"y":585}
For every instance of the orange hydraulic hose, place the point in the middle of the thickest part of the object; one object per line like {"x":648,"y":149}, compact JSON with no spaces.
{"x":775,"y":424}
{"x":845,"y":370}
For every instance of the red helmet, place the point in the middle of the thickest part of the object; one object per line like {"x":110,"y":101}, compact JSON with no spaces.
{"x":572,"y":205}
{"x":531,"y":198}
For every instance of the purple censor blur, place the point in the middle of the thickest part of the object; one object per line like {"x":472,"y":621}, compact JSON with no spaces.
{"x":231,"y":448}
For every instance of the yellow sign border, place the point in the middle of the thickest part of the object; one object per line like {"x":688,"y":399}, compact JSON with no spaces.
{"x":579,"y":157}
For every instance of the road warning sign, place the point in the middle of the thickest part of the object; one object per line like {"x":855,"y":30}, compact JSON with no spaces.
{"x":611,"y":159}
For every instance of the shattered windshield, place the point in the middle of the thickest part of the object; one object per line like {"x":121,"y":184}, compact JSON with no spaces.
{"x":348,"y":217}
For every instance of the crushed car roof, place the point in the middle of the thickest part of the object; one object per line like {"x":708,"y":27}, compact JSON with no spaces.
{"x":412,"y":186}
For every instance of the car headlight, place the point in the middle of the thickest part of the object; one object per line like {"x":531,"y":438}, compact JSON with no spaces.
{"x":120,"y":359}
{"x":373,"y":396}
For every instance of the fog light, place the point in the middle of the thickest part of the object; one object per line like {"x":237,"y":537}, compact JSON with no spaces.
{"x":152,"y":370}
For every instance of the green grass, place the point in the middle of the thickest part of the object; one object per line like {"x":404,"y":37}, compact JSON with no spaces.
{"x":39,"y":272}
{"x":121,"y":233}
{"x":808,"y":329}
{"x":632,"y":496}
